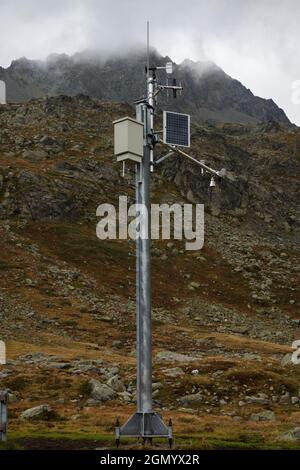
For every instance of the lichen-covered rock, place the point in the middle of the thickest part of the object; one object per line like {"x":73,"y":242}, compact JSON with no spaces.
{"x":101,"y":392}
{"x":266,"y":415}
{"x":41,"y":412}
{"x":170,"y":356}
{"x":193,"y":399}
{"x":292,"y":435}
{"x":116,"y":384}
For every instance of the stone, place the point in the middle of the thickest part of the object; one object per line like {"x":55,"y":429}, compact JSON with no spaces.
{"x":286,"y":360}
{"x":191,"y":400}
{"x":157,"y":386}
{"x":174,"y":372}
{"x":194,"y":285}
{"x":105,"y":318}
{"x":170,"y":356}
{"x":241,"y":329}
{"x":46,"y":140}
{"x":294,"y":400}
{"x":261,"y":399}
{"x":35,"y":155}
{"x":292,"y":435}
{"x":101,"y":392}
{"x":266,"y":415}
{"x":59,"y":365}
{"x":237,"y":418}
{"x":110,"y":371}
{"x":12,"y":398}
{"x":41,"y":412}
{"x":285,"y":399}
{"x":125,"y":397}
{"x":252,"y":357}
{"x":116,"y":384}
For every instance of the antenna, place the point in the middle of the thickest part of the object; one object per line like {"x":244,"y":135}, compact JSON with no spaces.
{"x":148,"y":48}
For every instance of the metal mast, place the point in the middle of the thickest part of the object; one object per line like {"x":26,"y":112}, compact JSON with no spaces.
{"x":146,"y":423}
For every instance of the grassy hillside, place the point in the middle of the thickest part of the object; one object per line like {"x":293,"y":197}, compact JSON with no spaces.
{"x":224,"y":318}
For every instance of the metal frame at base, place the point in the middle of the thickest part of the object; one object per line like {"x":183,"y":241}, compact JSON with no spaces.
{"x":145,"y":425}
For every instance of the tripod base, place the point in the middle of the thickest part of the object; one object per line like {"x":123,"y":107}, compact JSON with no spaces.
{"x":144,"y":425}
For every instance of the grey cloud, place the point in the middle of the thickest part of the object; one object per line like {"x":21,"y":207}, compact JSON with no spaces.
{"x":255,"y":42}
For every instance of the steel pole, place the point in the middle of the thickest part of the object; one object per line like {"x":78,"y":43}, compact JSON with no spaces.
{"x":138,"y":293}
{"x":143,"y":269}
{"x":144,"y":423}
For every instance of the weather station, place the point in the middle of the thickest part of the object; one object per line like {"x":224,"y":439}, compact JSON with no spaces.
{"x":135,"y":141}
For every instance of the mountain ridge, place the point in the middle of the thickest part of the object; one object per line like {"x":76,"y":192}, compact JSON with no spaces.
{"x":209,"y":93}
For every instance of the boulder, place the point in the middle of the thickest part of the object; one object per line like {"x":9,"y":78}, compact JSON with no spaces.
{"x":266,"y":415}
{"x":292,"y":435}
{"x":191,"y":400}
{"x":174,"y":372}
{"x":35,"y":155}
{"x":12,"y":397}
{"x":116,"y":384}
{"x":101,"y":392}
{"x":170,"y":356}
{"x":125,"y":397}
{"x":194,"y":285}
{"x":261,"y":399}
{"x":285,"y":399}
{"x":47,"y":140}
{"x":287,"y":360}
{"x":242,"y":329}
{"x":41,"y":412}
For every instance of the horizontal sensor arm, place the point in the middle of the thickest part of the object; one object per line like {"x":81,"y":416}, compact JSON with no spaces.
{"x":162,"y":159}
{"x":220,"y":174}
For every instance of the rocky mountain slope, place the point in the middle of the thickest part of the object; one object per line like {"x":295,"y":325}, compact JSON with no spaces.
{"x":224,"y":318}
{"x":210,"y":94}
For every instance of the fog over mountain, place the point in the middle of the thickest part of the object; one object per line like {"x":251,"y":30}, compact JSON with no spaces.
{"x":254,"y":42}
{"x":209,"y":93}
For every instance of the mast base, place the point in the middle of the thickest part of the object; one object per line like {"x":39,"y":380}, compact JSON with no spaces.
{"x":145,"y":425}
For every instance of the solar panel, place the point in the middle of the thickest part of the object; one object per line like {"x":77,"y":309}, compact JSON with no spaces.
{"x":176,"y":129}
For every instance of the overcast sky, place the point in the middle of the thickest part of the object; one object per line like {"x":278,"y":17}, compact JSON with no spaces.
{"x":255,"y":41}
